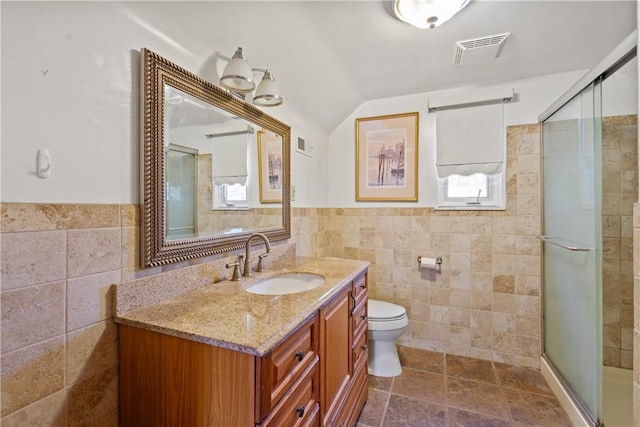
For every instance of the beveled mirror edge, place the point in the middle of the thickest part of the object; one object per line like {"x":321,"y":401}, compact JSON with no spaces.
{"x":155,"y":249}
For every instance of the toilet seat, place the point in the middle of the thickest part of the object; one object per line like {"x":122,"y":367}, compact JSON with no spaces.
{"x":381,"y":310}
{"x":385,"y":316}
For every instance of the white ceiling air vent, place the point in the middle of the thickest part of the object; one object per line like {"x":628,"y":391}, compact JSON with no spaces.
{"x":483,"y":49}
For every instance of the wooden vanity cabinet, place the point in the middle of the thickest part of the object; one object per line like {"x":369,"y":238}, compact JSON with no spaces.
{"x":167,"y":381}
{"x":317,"y":376}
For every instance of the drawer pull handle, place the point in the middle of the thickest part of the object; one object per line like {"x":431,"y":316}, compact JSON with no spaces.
{"x":363,"y":317}
{"x":363,"y":286}
{"x":300,"y":356}
{"x":363,"y":347}
{"x":300,"y":412}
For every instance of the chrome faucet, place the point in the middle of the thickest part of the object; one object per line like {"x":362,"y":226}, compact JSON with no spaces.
{"x":247,"y":264}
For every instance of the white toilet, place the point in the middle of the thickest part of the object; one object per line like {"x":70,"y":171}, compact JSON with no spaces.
{"x":387,"y":322}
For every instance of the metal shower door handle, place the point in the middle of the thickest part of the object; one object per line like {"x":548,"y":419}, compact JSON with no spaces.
{"x":564,"y":245}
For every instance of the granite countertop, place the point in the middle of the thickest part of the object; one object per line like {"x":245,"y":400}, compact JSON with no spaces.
{"x":225,"y":315}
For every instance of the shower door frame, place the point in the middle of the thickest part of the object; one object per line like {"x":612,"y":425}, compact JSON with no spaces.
{"x":622,"y":54}
{"x":589,"y":126}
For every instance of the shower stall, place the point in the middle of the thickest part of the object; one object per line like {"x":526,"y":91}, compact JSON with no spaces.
{"x":589,"y":185}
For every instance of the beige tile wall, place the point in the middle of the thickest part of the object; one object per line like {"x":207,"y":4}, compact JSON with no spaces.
{"x":620,"y":185}
{"x":636,"y":321}
{"x":59,"y":340}
{"x":58,"y":262}
{"x":485,"y":302}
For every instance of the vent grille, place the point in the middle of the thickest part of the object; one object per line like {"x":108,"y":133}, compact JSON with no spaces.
{"x":482,"y":49}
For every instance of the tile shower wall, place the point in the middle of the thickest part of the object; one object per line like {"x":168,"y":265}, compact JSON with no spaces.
{"x":620,"y":192}
{"x":485,"y":302}
{"x":636,"y":321}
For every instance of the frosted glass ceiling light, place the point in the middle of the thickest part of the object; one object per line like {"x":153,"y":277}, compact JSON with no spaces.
{"x":427,"y":13}
{"x":267,"y":94}
{"x":237,"y":75}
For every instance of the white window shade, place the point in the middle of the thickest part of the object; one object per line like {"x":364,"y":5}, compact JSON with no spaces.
{"x":229,"y":159}
{"x":470,"y":140}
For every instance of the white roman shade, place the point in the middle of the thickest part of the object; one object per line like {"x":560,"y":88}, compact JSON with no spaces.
{"x":229,"y":158}
{"x":470,"y":140}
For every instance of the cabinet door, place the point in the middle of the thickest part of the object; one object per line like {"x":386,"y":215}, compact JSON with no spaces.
{"x":335,"y":348}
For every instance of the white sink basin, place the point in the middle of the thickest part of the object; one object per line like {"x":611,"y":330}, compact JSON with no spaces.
{"x":286,"y":283}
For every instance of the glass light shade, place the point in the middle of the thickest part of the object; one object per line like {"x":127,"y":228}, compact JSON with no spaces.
{"x":267,"y":94}
{"x":427,"y":13}
{"x":237,"y":75}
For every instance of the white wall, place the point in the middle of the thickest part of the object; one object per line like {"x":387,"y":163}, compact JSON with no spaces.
{"x":70,"y":73}
{"x":533,"y":96}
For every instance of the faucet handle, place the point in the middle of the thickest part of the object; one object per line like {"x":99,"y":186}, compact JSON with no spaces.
{"x":260,"y":268}
{"x":236,"y":268}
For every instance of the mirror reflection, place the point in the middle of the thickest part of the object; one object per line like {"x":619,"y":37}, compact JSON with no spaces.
{"x":216,"y":169}
{"x":213,"y":158}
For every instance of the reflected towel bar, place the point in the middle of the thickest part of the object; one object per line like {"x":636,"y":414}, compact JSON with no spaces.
{"x":549,"y":239}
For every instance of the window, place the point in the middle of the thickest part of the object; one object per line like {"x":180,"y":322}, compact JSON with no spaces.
{"x":231,"y":196}
{"x":470,"y":157}
{"x":477,"y":191}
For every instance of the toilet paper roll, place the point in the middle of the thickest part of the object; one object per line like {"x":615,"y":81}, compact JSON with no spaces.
{"x":427,"y":263}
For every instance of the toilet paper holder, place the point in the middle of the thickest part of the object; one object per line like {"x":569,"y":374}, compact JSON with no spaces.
{"x":438,"y":260}
{"x":437,"y":266}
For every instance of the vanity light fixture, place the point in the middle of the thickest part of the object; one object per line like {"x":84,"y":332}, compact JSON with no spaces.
{"x":238,"y":77}
{"x":427,"y":13}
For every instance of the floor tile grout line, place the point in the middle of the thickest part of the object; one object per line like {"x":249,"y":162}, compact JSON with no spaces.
{"x":483,"y":414}
{"x":504,"y":396}
{"x":446,"y":391}
{"x":386,"y":405}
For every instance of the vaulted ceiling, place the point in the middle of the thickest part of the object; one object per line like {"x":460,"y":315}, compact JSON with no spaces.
{"x":329,"y":57}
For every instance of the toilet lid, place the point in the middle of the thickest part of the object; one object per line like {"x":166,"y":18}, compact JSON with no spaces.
{"x":380,"y":310}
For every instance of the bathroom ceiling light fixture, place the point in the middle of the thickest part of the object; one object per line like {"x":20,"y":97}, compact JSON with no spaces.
{"x":427,"y":13}
{"x":238,"y":77}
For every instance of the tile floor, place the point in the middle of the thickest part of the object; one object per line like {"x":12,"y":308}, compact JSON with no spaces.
{"x":453,"y":391}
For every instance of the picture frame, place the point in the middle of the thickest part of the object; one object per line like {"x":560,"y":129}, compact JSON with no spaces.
{"x":387,"y":158}
{"x":270,"y":163}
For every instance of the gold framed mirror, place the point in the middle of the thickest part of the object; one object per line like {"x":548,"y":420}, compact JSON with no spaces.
{"x":200,"y":186}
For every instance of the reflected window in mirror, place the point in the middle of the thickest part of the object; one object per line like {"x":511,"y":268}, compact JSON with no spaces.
{"x":231,"y":196}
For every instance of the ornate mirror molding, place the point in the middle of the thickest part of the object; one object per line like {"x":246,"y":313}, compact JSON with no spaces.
{"x":162,"y":77}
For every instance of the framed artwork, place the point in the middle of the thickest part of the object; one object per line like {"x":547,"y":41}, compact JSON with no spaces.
{"x":270,"y":167}
{"x":387,"y":158}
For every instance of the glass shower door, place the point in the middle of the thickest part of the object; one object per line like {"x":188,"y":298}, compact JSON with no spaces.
{"x":571,"y":156}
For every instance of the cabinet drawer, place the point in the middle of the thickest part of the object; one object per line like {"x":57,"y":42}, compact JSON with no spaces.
{"x":359,"y":287}
{"x":281,"y":367}
{"x":359,"y":317}
{"x":300,"y":404}
{"x":360,"y":349}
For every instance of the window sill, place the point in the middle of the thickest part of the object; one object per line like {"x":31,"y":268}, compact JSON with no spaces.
{"x":234,"y":208}
{"x":470,"y":208}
